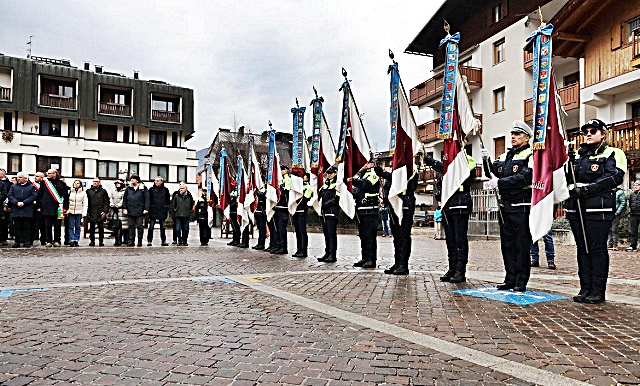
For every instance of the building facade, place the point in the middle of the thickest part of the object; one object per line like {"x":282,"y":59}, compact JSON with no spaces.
{"x":93,"y":123}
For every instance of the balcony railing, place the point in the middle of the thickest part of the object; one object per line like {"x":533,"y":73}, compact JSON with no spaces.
{"x":570,"y":96}
{"x":528,"y":59}
{"x":624,"y":135}
{"x":432,"y":88}
{"x":166,"y":116}
{"x":115,"y":109}
{"x":60,"y":101}
{"x":5,"y":94}
{"x":428,"y":131}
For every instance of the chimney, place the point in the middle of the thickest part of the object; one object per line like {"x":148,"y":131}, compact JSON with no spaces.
{"x":135,"y":75}
{"x":98,"y":69}
{"x":87,"y":66}
{"x":241,"y":130}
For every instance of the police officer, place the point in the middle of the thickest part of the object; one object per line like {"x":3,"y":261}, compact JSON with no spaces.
{"x":598,"y":169}
{"x":233,"y":214}
{"x":202,"y":216}
{"x":329,"y":208}
{"x":401,"y":231}
{"x":367,"y":190}
{"x":513,"y":173}
{"x":260,"y":215}
{"x":282,"y":212}
{"x":299,"y":219}
{"x":456,"y":222}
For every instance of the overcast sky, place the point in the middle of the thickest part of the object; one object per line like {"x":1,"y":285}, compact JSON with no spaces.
{"x":248,"y":58}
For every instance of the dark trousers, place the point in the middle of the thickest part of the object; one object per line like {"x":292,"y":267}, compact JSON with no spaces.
{"x":456,"y":227}
{"x":235,"y":227}
{"x":402,"y":236}
{"x":55,"y":223}
{"x":182,"y":225}
{"x":368,"y":232}
{"x":152,"y":224}
{"x":515,"y":241}
{"x":245,"y":236}
{"x":205,"y":231}
{"x":92,"y":231}
{"x":22,"y":229}
{"x":175,"y":230}
{"x":593,"y":267}
{"x":273,"y":233}
{"x":330,"y":229}
{"x":261,"y":224}
{"x":65,"y":222}
{"x":634,"y":220}
{"x":37,"y":228}
{"x":299,"y":221}
{"x":4,"y":226}
{"x":135,"y":222}
{"x":282,"y":220}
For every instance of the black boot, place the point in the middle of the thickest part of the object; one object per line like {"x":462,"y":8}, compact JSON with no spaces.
{"x":302,"y":254}
{"x":369,"y":264}
{"x":360,"y":263}
{"x":233,"y":243}
{"x":331,"y":259}
{"x":458,"y":277}
{"x":579,"y":298}
{"x":296,"y":254}
{"x":594,"y":297}
{"x":324,"y":257}
{"x":258,"y":247}
{"x":447,"y":275}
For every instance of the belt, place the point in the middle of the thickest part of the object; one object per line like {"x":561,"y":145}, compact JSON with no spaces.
{"x":522,"y":204}
{"x":459,"y":207}
{"x":367,"y":207}
{"x":577,"y":185}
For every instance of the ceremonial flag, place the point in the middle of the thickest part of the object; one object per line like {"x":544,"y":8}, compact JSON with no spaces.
{"x":255,"y":180}
{"x":225,"y":183}
{"x":273,"y":176}
{"x":213,"y":192}
{"x":404,"y":141}
{"x":549,"y":185}
{"x":353,"y":150}
{"x":297,"y":166}
{"x":323,"y":151}
{"x":243,"y":183}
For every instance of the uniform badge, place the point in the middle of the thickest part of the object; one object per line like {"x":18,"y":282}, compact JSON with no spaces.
{"x":595,"y":167}
{"x":515,"y":168}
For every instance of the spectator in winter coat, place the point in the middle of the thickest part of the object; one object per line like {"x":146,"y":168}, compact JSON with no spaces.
{"x":182,"y":206}
{"x":5,"y":184}
{"x":159,"y":202}
{"x":634,"y":216}
{"x":98,"y":210}
{"x":135,"y":206}
{"x":121,"y":224}
{"x":22,"y":197}
{"x":78,"y":206}
{"x":621,"y":205}
{"x":53,"y":201}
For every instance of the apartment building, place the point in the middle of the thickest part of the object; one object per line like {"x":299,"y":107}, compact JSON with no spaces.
{"x":93,"y":123}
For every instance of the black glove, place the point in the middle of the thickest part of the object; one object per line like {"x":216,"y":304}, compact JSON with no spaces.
{"x":577,"y":192}
{"x":429,"y":161}
{"x":378,"y":170}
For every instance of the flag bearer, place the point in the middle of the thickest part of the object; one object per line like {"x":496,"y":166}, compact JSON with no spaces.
{"x":233,"y":214}
{"x":282,"y":212}
{"x":330,"y":208}
{"x":260,"y":215}
{"x":299,"y":219}
{"x":368,"y":191}
{"x":598,"y":169}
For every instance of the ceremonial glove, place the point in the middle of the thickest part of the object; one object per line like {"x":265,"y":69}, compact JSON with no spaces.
{"x":485,"y":153}
{"x":494,"y":182}
{"x":577,"y":192}
{"x":378,"y":170}
{"x":429,"y":161}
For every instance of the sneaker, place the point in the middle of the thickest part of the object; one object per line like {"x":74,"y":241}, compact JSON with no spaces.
{"x":164,"y":244}
{"x":48,"y":245}
{"x":615,"y":248}
{"x":535,"y":263}
{"x":551,"y":265}
{"x":631,"y":249}
{"x":56,"y":244}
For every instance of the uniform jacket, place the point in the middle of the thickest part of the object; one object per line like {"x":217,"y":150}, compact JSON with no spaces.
{"x":514,"y":170}
{"x":98,"y":203}
{"x":262,"y":200}
{"x":159,"y":202}
{"x":285,"y":187}
{"x":78,"y":202}
{"x":136,"y":200}
{"x":182,"y":204}
{"x":367,"y":192}
{"x":22,"y":193}
{"x":47,"y":204}
{"x":202,"y":210}
{"x":330,"y":198}
{"x":5,"y":184}
{"x":303,"y":204}
{"x":460,"y":201}
{"x":408,"y":196}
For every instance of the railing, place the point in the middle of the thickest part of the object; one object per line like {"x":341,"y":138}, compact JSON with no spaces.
{"x":433,"y":87}
{"x":528,"y":59}
{"x":570,"y":96}
{"x":5,"y":94}
{"x":624,"y":135}
{"x":115,"y":109}
{"x":60,"y":101}
{"x":167,"y":116}
{"x":428,"y":131}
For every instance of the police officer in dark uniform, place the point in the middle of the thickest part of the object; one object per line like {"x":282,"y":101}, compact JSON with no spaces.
{"x":260,"y":216}
{"x":330,"y":208}
{"x":456,"y":222}
{"x":202,"y":217}
{"x":299,"y":219}
{"x":282,"y":212}
{"x":401,"y":231}
{"x":513,"y":171}
{"x":233,"y":215}
{"x":598,"y":169}
{"x":366,"y":193}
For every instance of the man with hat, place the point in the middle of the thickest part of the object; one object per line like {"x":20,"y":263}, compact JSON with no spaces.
{"x":329,"y":208}
{"x":135,"y":207}
{"x":513,"y":174}
{"x":282,"y":212}
{"x":366,"y":192}
{"x":120,"y":223}
{"x":202,"y":217}
{"x":634,"y":216}
{"x":233,"y":215}
{"x":593,"y":177}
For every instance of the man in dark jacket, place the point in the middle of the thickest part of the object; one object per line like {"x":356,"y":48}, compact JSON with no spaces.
{"x":202,"y":216}
{"x":135,"y":206}
{"x":330,"y":209}
{"x":22,"y":197}
{"x":366,"y":193}
{"x":634,"y":216}
{"x":182,"y":206}
{"x":159,"y":202}
{"x":5,"y":184}
{"x":53,"y":202}
{"x":97,"y":211}
{"x":260,"y":215}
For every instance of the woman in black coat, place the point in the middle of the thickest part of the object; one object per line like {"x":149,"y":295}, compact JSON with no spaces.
{"x":22,"y":197}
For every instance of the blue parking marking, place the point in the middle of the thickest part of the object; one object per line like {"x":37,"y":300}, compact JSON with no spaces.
{"x":214,"y":279}
{"x":519,"y":298}
{"x":9,"y":292}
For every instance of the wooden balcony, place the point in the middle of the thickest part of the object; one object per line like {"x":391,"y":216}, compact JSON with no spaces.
{"x":432,"y":88}
{"x":428,"y":131}
{"x":570,"y":96}
{"x":114,"y":109}
{"x":58,"y":101}
{"x":624,"y":135}
{"x":528,"y":59}
{"x":5,"y":94}
{"x":165,"y":116}
{"x":428,"y":176}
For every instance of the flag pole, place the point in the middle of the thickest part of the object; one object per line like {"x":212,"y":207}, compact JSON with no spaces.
{"x":344,"y":73}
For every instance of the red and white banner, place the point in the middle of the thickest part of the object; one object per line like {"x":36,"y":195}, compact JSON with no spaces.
{"x":273,"y":186}
{"x":244,"y":199}
{"x":255,"y":183}
{"x":327,"y":158}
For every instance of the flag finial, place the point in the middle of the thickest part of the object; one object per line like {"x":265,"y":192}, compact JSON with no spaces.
{"x":447,"y":28}
{"x":270,"y":125}
{"x":391,"y":55}
{"x":540,"y":14}
{"x":315,"y":91}
{"x":344,"y":73}
{"x":297,"y":104}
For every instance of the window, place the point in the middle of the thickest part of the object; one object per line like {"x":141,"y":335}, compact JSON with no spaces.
{"x":571,"y":79}
{"x":635,"y":110}
{"x":499,"y":146}
{"x":163,"y":105}
{"x":108,"y":133}
{"x":71,"y":128}
{"x":125,"y":134}
{"x":497,"y":13}
{"x":44,"y":163}
{"x":66,"y":91}
{"x":133,"y":168}
{"x":466,"y":62}
{"x":108,"y":169}
{"x":157,"y":138}
{"x":8,"y":117}
{"x":632,"y":26}
{"x":14,"y":163}
{"x":119,"y":99}
{"x":49,"y":126}
{"x":159,"y":170}
{"x":498,"y":100}
{"x":498,"y":51}
{"x":78,"y":167}
{"x":182,"y":173}
{"x":174,"y":139}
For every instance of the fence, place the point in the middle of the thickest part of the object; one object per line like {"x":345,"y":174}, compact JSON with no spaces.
{"x":484,"y":218}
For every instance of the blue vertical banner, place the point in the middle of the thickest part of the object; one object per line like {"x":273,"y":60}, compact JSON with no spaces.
{"x":317,"y":127}
{"x":209,"y":178}
{"x":541,"y":77}
{"x":344,"y":123}
{"x":222,"y":176}
{"x":271,"y":156}
{"x":395,"y":84}
{"x":239,"y":175}
{"x":297,"y":159}
{"x":449,"y":86}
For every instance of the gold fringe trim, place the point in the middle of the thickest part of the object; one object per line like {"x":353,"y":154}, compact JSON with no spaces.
{"x":444,"y":136}
{"x":537,"y":146}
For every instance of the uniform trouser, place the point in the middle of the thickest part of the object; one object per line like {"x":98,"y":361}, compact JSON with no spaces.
{"x":205,"y":231}
{"x":402,"y":236}
{"x":92,"y":230}
{"x":245,"y":236}
{"x":152,"y":224}
{"x":634,"y":220}
{"x":515,"y":241}
{"x":261,"y":224}
{"x":282,"y":219}
{"x":235,"y":227}
{"x":135,"y":222}
{"x":4,"y":226}
{"x":273,"y":233}
{"x":456,"y":227}
{"x":593,"y":267}
{"x":299,"y":221}
{"x":368,"y":232}
{"x":37,"y":228}
{"x":52,"y":221}
{"x":22,"y":229}
{"x":330,"y":229}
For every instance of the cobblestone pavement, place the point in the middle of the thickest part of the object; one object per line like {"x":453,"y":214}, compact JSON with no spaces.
{"x":224,"y":315}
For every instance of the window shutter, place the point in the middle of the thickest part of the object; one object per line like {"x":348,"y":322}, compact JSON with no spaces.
{"x":505,"y":8}
{"x":616,"y":36}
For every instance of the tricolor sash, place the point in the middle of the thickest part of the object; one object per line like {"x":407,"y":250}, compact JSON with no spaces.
{"x":56,"y":196}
